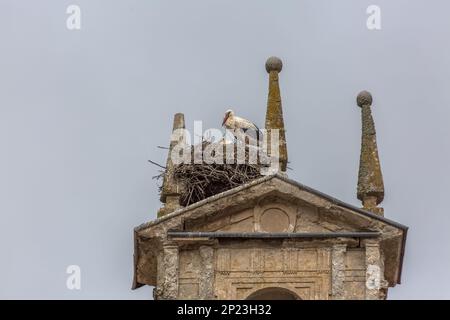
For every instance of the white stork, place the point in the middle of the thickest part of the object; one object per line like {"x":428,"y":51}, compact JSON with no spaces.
{"x":234,"y":123}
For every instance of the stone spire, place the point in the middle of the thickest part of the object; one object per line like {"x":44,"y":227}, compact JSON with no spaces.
{"x":274,"y":113}
{"x":370,"y":180}
{"x":170,"y":192}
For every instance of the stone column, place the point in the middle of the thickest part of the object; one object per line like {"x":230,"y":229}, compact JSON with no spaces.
{"x":169,"y":290}
{"x":206,"y":280}
{"x":374,"y":271}
{"x":338,"y":271}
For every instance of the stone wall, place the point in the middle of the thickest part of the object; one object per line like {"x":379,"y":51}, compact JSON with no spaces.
{"x":236,"y":270}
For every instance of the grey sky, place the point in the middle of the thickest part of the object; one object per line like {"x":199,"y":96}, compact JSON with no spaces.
{"x":81,"y":112}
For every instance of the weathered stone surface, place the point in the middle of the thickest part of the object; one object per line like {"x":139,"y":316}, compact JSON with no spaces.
{"x":206,"y":281}
{"x":370,"y":179}
{"x":274,"y":64}
{"x":308,"y":270}
{"x":274,"y":113}
{"x":355,"y":271}
{"x":241,"y":271}
{"x":376,"y":286}
{"x":171,"y":188}
{"x":332,"y":268}
{"x":169,"y":269}
{"x":338,"y":271}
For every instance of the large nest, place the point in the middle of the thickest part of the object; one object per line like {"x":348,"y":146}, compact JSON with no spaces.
{"x":204,"y":180}
{"x":200,"y":181}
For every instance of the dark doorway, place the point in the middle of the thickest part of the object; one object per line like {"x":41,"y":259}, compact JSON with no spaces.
{"x":273,"y":294}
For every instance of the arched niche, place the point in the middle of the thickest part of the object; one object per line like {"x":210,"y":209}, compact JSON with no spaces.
{"x":273,"y":293}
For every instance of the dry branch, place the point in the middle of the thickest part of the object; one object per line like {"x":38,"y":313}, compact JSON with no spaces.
{"x":201,"y":181}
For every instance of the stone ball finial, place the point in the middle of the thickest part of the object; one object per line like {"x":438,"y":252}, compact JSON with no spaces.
{"x":364,"y":98}
{"x":274,"y":64}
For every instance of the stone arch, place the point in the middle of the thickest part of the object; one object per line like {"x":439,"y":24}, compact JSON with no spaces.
{"x":273,"y":293}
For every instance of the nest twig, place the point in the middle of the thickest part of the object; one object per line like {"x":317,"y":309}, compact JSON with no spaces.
{"x":200,"y":181}
{"x":204,"y":180}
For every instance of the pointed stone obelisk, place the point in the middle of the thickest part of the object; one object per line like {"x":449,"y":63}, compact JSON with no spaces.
{"x":274,"y":113}
{"x":370,"y":180}
{"x":171,"y":189}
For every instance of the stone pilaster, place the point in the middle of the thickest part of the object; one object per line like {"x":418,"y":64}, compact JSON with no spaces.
{"x":158,"y":289}
{"x":169,"y":289}
{"x":206,"y":280}
{"x":338,"y":271}
{"x":375,"y":283}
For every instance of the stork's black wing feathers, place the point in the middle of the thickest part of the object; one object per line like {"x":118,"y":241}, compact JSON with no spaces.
{"x":258,"y":132}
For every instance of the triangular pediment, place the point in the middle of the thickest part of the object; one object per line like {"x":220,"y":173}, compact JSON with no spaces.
{"x":292,"y":207}
{"x":272,"y":213}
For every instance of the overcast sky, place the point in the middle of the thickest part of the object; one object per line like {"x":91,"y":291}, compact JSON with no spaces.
{"x":81,"y":112}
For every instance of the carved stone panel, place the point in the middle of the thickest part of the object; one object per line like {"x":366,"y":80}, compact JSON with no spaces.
{"x":242,"y":271}
{"x":275,"y":217}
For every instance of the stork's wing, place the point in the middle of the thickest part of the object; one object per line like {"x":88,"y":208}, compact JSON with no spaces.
{"x":245,"y":124}
{"x":248,"y":126}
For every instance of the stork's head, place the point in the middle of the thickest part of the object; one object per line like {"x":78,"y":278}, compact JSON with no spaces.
{"x":228,"y":113}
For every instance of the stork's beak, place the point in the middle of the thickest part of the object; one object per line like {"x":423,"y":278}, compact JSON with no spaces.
{"x":224,"y":119}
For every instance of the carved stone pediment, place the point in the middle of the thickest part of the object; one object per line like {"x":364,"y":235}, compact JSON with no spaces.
{"x":273,"y":214}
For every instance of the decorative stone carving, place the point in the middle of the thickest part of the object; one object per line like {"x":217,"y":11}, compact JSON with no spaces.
{"x":338,"y":271}
{"x":206,"y":281}
{"x":235,"y":268}
{"x":275,"y":218}
{"x":374,"y":272}
{"x":170,"y":272}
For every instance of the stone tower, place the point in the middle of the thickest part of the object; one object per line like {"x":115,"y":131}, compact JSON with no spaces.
{"x":273,"y":238}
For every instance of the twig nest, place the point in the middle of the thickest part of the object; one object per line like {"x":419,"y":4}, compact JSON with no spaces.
{"x":204,"y":180}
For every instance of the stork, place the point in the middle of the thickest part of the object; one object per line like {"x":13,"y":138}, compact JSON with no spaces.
{"x":235,"y":123}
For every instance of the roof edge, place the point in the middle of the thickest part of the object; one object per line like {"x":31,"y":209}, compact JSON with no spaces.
{"x":264,"y":179}
{"x":204,"y":201}
{"x":342,"y":203}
